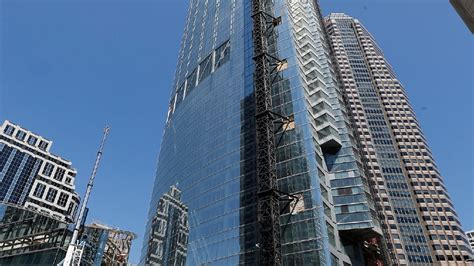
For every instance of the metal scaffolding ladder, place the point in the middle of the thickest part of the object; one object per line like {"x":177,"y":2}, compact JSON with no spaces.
{"x":77,"y":255}
{"x":268,"y":195}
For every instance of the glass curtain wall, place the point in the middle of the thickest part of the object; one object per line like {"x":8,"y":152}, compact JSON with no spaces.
{"x":208,"y":148}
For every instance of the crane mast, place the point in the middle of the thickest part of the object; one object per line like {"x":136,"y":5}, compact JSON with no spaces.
{"x":75,"y":249}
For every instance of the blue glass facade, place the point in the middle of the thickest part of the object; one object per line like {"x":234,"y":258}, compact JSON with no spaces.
{"x":17,"y":171}
{"x":208,"y":149}
{"x":168,"y":241}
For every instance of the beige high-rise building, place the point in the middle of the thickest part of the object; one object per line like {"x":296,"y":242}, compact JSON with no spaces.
{"x":418,"y":219}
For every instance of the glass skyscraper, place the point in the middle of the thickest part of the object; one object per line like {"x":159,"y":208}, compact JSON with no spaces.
{"x":206,"y":180}
{"x":418,"y":219}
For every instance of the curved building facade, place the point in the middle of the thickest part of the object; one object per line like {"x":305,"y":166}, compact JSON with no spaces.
{"x":204,"y":202}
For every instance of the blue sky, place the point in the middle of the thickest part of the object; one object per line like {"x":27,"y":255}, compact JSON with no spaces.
{"x":69,"y":67}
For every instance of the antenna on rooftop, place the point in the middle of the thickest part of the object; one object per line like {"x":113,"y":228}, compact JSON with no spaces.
{"x":75,"y":249}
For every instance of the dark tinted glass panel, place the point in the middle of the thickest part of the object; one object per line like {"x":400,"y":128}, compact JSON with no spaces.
{"x":179,"y":95}
{"x":191,"y":83}
{"x":9,"y":130}
{"x":39,"y":190}
{"x":32,"y":140}
{"x":20,"y":135}
{"x":205,"y":68}
{"x":222,"y":54}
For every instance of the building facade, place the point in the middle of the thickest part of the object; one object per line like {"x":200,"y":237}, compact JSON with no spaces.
{"x":33,"y":177}
{"x":169,"y":234}
{"x":418,"y":219}
{"x":470,"y":237}
{"x":208,"y":153}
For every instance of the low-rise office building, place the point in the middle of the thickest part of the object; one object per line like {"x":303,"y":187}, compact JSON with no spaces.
{"x":33,"y":177}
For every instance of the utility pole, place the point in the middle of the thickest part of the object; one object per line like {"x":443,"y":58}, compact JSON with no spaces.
{"x":74,"y":251}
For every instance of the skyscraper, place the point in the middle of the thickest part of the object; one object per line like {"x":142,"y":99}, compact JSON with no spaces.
{"x":33,"y":177}
{"x":308,"y":183}
{"x":419,"y":221}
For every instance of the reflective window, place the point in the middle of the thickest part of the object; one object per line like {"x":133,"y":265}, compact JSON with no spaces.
{"x":205,"y":68}
{"x":191,"y":83}
{"x":51,"y":196}
{"x":331,"y":236}
{"x":222,"y":54}
{"x":20,"y":135}
{"x":59,"y":174}
{"x":32,"y":140}
{"x":43,"y":145}
{"x":9,"y":130}
{"x":39,"y":190}
{"x":63,"y":198}
{"x":70,"y":208}
{"x":179,"y":95}
{"x":171,"y":107}
{"x":48,"y":169}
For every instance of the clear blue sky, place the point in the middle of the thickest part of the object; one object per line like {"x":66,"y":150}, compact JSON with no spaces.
{"x":68,"y":68}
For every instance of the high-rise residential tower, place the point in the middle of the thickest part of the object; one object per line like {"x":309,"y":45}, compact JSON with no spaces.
{"x":256,"y":119}
{"x":33,"y":177}
{"x":419,"y":221}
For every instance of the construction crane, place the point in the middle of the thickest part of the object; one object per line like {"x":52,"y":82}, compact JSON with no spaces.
{"x":75,"y":249}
